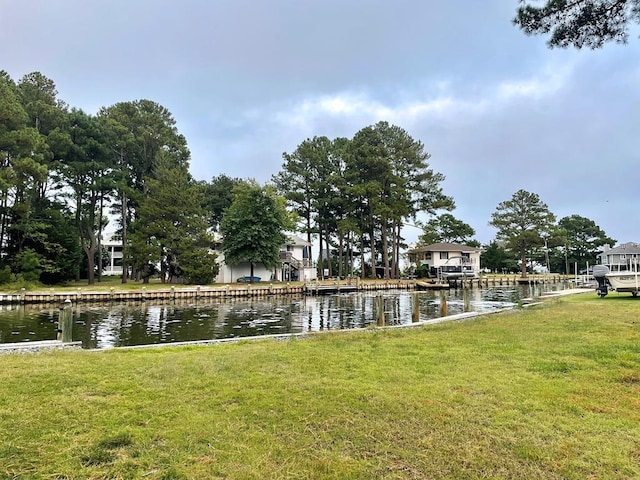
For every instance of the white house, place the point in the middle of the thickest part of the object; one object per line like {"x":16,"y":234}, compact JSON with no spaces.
{"x":295,"y":265}
{"x":446,"y":255}
{"x":114,"y":248}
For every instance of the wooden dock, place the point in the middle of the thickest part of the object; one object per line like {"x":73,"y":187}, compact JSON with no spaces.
{"x":252,"y":290}
{"x":432,"y":286}
{"x":321,"y":289}
{"x":143,"y":295}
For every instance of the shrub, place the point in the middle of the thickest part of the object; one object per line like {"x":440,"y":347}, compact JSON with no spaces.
{"x":6,"y":276}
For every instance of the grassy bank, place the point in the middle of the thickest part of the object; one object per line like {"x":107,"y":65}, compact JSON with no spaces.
{"x":548,"y":393}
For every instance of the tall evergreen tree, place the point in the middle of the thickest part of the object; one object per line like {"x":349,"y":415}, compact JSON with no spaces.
{"x":447,"y":228}
{"x":389,"y":171}
{"x":580,"y":23}
{"x":86,"y":171}
{"x":581,"y":241}
{"x":303,"y":182}
{"x":171,"y":228}
{"x":218,"y":197}
{"x":522,"y":222}
{"x":498,"y":259}
{"x":141,"y":131}
{"x":23,"y":174}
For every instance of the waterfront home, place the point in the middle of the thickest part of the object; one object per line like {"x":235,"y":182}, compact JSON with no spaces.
{"x":294,"y":265}
{"x":113,"y":246}
{"x":620,"y":258}
{"x":445,"y":255}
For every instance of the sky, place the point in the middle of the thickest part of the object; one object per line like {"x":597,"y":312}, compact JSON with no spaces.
{"x":248,"y":80}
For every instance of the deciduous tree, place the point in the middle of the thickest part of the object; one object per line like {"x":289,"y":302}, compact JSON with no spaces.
{"x":253,"y":227}
{"x":581,"y":241}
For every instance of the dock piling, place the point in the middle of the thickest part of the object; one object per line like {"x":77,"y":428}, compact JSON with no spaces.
{"x":380,"y":302}
{"x":65,"y":322}
{"x":443,"y":304}
{"x":415,"y":313}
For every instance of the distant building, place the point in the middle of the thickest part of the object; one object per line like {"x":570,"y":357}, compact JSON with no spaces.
{"x":620,"y":258}
{"x":113,"y":245}
{"x":446,"y":254}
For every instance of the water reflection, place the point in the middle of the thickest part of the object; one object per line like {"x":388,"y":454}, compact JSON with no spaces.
{"x":106,"y":326}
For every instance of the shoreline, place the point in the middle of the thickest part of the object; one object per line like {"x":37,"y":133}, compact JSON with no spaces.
{"x":90,"y":293}
{"x":50,"y":345}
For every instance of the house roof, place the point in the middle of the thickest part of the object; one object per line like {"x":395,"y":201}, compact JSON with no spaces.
{"x":297,"y":241}
{"x":625,"y":248}
{"x":445,"y":247}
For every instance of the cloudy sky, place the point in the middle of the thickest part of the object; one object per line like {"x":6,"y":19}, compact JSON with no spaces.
{"x":248,"y":80}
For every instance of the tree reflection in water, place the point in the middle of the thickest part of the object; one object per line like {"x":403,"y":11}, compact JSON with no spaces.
{"x":106,"y":326}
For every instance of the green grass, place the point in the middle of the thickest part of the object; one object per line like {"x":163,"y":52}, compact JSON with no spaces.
{"x":550,"y":392}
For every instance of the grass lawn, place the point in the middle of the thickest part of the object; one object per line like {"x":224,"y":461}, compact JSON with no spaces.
{"x":550,"y":392}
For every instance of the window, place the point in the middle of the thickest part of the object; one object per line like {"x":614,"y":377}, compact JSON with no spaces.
{"x":427,"y":255}
{"x":444,"y":255}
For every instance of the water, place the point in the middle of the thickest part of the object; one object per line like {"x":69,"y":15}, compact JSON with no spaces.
{"x":114,"y":325}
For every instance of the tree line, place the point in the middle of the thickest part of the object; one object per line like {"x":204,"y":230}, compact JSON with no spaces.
{"x":66,"y":174}
{"x":527,"y":235}
{"x":64,"y":171}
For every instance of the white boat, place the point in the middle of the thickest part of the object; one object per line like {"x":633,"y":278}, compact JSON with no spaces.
{"x":454,"y":272}
{"x":624,"y":281}
{"x":614,"y":277}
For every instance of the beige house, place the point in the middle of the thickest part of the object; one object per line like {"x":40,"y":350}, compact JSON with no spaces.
{"x":446,"y":256}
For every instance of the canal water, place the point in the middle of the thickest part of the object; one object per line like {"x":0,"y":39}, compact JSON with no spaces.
{"x":126,"y":324}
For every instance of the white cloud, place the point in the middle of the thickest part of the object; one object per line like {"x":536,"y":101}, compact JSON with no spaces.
{"x":443,"y":105}
{"x":546,"y":84}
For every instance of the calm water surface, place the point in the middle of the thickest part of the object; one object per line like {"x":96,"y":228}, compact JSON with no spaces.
{"x":114,"y":325}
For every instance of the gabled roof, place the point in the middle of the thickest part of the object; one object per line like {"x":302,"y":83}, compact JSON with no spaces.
{"x":625,"y":248}
{"x":446,"y":247}
{"x":297,"y":241}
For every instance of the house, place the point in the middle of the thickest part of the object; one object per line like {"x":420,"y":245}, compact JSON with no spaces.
{"x":446,"y":255}
{"x":113,"y":246}
{"x":295,"y":265}
{"x":295,"y":261}
{"x":620,"y":258}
